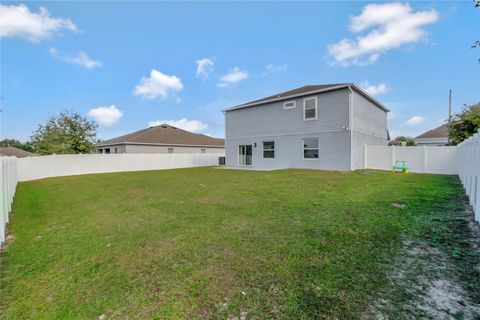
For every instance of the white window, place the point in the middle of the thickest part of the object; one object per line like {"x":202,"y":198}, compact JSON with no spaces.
{"x":170,"y":150}
{"x":310,"y":108}
{"x":289,"y":105}
{"x":203,"y":150}
{"x":269,"y":149}
{"x":310,"y":148}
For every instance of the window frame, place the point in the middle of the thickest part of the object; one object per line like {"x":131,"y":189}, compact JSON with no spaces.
{"x":170,"y":148}
{"x":317,"y":148}
{"x":203,"y":150}
{"x":316,"y":108}
{"x":291,"y":101}
{"x":263,"y":149}
{"x":107,"y":150}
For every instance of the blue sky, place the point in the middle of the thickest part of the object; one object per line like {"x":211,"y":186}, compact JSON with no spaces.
{"x":128,"y":64}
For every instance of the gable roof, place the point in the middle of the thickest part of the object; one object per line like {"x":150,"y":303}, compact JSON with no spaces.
{"x":14,"y":152}
{"x":440,"y":132}
{"x":165,"y":134}
{"x":307,"y":90}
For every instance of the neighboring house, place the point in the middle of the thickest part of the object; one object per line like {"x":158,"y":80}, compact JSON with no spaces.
{"x":435,"y":137}
{"x":14,"y":152}
{"x":162,"y":139}
{"x":318,"y":127}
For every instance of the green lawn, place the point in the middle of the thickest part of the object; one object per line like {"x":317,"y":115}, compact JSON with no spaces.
{"x":210,"y":243}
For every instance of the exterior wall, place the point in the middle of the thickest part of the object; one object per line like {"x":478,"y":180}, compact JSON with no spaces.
{"x":368,"y":118}
{"x":334,"y":151}
{"x":431,"y":141}
{"x":164,"y":149}
{"x":273,"y":120}
{"x":134,"y":148}
{"x":120,"y":149}
{"x":340,"y":148}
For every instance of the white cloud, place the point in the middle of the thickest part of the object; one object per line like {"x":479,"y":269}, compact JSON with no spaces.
{"x":185,"y":124}
{"x":19,"y":21}
{"x":81,"y":59}
{"x":204,"y":67}
{"x":105,"y":116}
{"x":391,"y":26}
{"x":415,"y":120}
{"x":375,"y":90}
{"x":158,"y":85}
{"x":233,"y":76}
{"x":273,"y":69}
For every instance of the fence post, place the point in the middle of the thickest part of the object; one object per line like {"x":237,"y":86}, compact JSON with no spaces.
{"x":393,"y":155}
{"x":424,"y":159}
{"x":365,"y":156}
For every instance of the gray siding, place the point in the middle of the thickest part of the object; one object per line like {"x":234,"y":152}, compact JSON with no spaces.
{"x":367,"y":117}
{"x":272,"y":119}
{"x":334,"y":152}
{"x":133,"y":148}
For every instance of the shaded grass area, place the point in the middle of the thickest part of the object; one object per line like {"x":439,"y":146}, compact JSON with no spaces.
{"x":209,"y":243}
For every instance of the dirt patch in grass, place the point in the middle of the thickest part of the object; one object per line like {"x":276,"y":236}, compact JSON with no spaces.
{"x":436,"y":277}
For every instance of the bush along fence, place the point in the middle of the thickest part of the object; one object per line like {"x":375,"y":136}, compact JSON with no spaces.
{"x":468,"y":153}
{"x":8,"y":183}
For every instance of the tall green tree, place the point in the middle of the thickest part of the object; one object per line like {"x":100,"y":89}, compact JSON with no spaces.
{"x":465,"y":123}
{"x":66,"y":133}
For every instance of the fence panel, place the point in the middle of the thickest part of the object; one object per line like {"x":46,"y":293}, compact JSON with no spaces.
{"x":439,"y":160}
{"x":65,"y":165}
{"x":8,"y":184}
{"x":469,"y":170}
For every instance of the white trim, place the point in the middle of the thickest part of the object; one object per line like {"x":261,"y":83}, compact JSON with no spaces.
{"x":292,"y":107}
{"x":316,"y":108}
{"x":317,"y":148}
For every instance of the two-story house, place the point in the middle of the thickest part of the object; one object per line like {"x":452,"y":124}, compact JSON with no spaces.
{"x":317,"y":127}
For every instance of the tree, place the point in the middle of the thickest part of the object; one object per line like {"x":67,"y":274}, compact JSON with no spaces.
{"x":27,"y":146}
{"x":464,"y":124}
{"x":66,"y":133}
{"x":409,"y":141}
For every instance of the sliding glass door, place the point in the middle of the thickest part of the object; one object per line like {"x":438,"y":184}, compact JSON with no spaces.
{"x":245,"y":155}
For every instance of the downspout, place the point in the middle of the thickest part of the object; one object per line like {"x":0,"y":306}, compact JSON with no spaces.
{"x":350,"y":123}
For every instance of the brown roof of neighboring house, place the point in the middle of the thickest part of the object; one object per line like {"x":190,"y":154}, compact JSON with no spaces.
{"x":440,"y":132}
{"x":14,"y":152}
{"x":304,"y":91}
{"x":165,"y":135}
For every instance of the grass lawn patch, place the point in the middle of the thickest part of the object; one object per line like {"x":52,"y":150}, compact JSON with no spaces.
{"x":208,"y":243}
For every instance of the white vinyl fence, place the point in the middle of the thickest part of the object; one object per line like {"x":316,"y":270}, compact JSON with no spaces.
{"x":8,"y":183}
{"x":469,"y":170}
{"x":67,"y":165}
{"x":438,"y":160}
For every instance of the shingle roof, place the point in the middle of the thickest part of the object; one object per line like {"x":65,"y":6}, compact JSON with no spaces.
{"x":304,"y":91}
{"x":440,"y":132}
{"x":165,"y":135}
{"x":14,"y":152}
